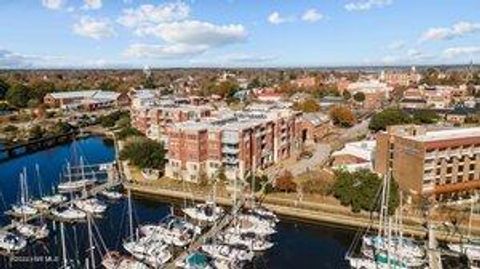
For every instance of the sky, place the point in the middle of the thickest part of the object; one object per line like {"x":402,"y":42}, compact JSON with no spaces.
{"x":237,"y":33}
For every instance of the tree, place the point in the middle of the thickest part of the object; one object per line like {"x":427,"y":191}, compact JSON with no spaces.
{"x":10,"y":128}
{"x":389,"y":116}
{"x":359,"y":97}
{"x":36,"y":132}
{"x":4,"y":86}
{"x":317,"y":185}
{"x":61,"y":127}
{"x":308,"y":106}
{"x":18,"y":95}
{"x":425,"y":116}
{"x":347,"y":95}
{"x":342,"y":115}
{"x":144,"y":153}
{"x":360,"y":189}
{"x":285,"y":182}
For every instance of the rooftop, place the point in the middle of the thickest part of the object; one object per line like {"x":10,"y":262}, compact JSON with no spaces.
{"x":448,"y":134}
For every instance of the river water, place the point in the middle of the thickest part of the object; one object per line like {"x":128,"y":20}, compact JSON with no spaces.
{"x":298,"y":244}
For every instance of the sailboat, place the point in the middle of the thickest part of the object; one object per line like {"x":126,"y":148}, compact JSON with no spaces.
{"x":39,"y":203}
{"x":205,"y":212}
{"x":384,"y":250}
{"x":228,"y":252}
{"x":24,"y":208}
{"x":73,"y":184}
{"x":115,"y":260}
{"x":172,"y":230}
{"x":68,"y":213}
{"x":32,"y":231}
{"x":471,"y":248}
{"x":196,"y":260}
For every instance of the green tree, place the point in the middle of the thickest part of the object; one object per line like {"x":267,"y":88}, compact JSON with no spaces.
{"x":347,"y":95}
{"x":359,"y":97}
{"x":389,"y":116}
{"x":18,"y":95}
{"x":36,"y":132}
{"x":360,"y":189}
{"x":144,"y":153}
{"x":425,"y":117}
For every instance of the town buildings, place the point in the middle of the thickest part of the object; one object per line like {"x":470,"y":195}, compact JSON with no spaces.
{"x":400,"y":78}
{"x":355,"y":155}
{"x":315,"y":126}
{"x":89,"y":100}
{"x":438,"y":165}
{"x":240,"y":143}
{"x":376,"y":92}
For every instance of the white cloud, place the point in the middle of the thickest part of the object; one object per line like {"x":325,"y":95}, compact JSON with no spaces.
{"x":92,"y":4}
{"x":196,"y":32}
{"x":53,"y":4}
{"x":312,"y":15}
{"x":150,"y":14}
{"x":364,"y":5}
{"x":93,"y":28}
{"x":459,"y":29}
{"x":461,"y":51}
{"x":275,"y":18}
{"x":163,"y":51}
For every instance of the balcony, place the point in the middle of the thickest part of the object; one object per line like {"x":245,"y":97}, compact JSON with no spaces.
{"x":230,"y":160}
{"x":230,"y":150}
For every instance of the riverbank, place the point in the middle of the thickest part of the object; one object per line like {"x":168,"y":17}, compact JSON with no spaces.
{"x":319,"y":215}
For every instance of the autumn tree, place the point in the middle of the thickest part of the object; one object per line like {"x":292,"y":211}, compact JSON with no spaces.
{"x":308,"y":106}
{"x":285,"y":182}
{"x":343,"y":116}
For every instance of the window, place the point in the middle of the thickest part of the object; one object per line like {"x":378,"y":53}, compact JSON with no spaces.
{"x":439,"y":171}
{"x":449,"y":170}
{"x":472,"y":166}
{"x":460,"y":168}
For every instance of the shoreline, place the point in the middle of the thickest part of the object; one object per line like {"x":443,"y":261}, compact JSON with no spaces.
{"x":339,"y":220}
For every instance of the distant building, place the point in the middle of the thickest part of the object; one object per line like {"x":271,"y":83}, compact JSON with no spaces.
{"x":89,"y":100}
{"x":439,"y":165}
{"x":315,"y":126}
{"x":242,"y":143}
{"x":355,"y":156}
{"x":376,"y":92}
{"x":400,"y":78}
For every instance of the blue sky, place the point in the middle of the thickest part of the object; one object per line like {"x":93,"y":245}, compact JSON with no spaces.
{"x":252,"y":33}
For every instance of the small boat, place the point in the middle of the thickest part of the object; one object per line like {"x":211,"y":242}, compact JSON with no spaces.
{"x":196,"y":260}
{"x":69,"y":213}
{"x":33,"y":231}
{"x":113,"y":195}
{"x":11,"y":242}
{"x":24,"y":208}
{"x":228,"y":252}
{"x":114,"y":260}
{"x":252,"y":224}
{"x":264,"y":214}
{"x":40,"y":205}
{"x":91,"y":205}
{"x":74,"y":186}
{"x":153,"y":252}
{"x":250,"y":240}
{"x":404,"y":246}
{"x":54,"y":199}
{"x":471,"y":250}
{"x":207,"y":212}
{"x":172,"y":230}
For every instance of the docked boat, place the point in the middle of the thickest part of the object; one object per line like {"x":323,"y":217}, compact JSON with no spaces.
{"x":228,"y":252}
{"x":11,"y":242}
{"x":69,"y":213}
{"x":115,"y":260}
{"x":206,"y":212}
{"x":404,"y":246}
{"x":251,"y":224}
{"x":24,"y":208}
{"x":91,"y":205}
{"x":112,"y":195}
{"x":471,"y":250}
{"x":250,"y":240}
{"x":195,"y":260}
{"x":153,"y":252}
{"x":172,"y":230}
{"x":40,"y":205}
{"x":264,"y":214}
{"x":380,"y":262}
{"x":32,"y":231}
{"x":74,"y":186}
{"x":54,"y":199}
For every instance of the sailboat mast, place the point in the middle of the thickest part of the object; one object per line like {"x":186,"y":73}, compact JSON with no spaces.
{"x":130,"y":216}
{"x":382,"y":207}
{"x":37,"y":168}
{"x":90,"y":240}
{"x":25,"y":186}
{"x":64,"y":249}
{"x":474,"y":198}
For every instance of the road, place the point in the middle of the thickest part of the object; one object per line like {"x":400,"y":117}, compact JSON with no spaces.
{"x":321,"y":151}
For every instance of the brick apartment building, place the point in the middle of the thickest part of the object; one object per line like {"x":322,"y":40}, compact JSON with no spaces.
{"x":153,"y":120}
{"x":89,"y":100}
{"x":441,"y":165}
{"x":242,"y":143}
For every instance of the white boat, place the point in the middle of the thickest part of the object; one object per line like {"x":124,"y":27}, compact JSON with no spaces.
{"x":24,"y":208}
{"x":251,"y":224}
{"x":403,"y":246}
{"x":152,"y":252}
{"x":114,"y":260}
{"x":207,"y":212}
{"x":264,"y":214}
{"x":69,"y":213}
{"x":113,"y":195}
{"x":227,"y":252}
{"x":471,"y":250}
{"x":54,"y":199}
{"x":195,"y":260}
{"x":40,"y":205}
{"x":172,"y":230}
{"x":11,"y":242}
{"x":74,"y":186}
{"x":32,"y":231}
{"x":250,"y":240}
{"x":91,"y":205}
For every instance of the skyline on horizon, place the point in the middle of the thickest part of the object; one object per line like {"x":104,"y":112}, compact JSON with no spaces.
{"x":233,"y":33}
